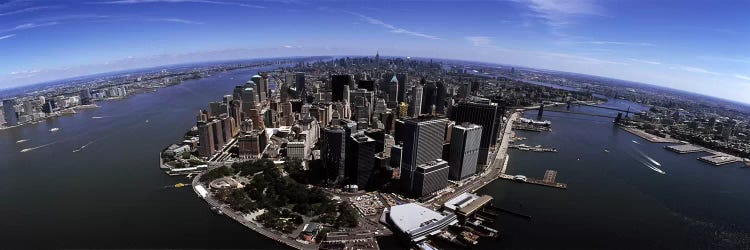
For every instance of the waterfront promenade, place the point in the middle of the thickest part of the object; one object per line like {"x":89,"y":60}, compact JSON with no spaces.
{"x":237,"y":216}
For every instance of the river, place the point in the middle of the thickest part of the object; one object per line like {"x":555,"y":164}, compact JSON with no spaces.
{"x":111,"y":194}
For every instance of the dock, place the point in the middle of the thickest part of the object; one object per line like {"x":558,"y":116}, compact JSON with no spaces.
{"x":537,"y":148}
{"x":548,"y":181}
{"x":685,"y":148}
{"x":649,"y":137}
{"x":717,"y":158}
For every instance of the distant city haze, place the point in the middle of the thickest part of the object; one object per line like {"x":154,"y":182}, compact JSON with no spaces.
{"x":696,"y":46}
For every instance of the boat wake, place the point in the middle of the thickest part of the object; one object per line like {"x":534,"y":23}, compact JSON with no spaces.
{"x":22,"y":141}
{"x":636,"y":142}
{"x":82,"y":147}
{"x":649,"y":158}
{"x":35,"y":148}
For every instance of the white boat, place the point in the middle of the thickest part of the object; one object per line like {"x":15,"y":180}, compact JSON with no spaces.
{"x":635,"y":142}
{"x":26,"y":150}
{"x":520,"y":178}
{"x":22,"y":141}
{"x":606,"y":150}
{"x":54,"y":129}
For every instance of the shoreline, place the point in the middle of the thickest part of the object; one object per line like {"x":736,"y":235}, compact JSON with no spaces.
{"x":293,"y":243}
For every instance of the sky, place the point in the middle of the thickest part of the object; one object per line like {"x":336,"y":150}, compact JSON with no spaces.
{"x":697,"y":46}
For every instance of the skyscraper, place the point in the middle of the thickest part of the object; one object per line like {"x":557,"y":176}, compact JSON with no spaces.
{"x":440,"y":98}
{"x":9,"y":111}
{"x":85,"y":96}
{"x":299,"y":84}
{"x":423,"y":143}
{"x":205,"y":139}
{"x":333,"y":152}
{"x":464,"y":150}
{"x":337,"y":86}
{"x":429,"y":94}
{"x":392,"y":93}
{"x":484,"y":113}
{"x":401,"y":87}
{"x":364,"y":149}
{"x":416,"y":100}
{"x":430,"y":177}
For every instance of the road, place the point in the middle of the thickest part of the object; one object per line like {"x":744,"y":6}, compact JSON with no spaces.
{"x":496,"y":168}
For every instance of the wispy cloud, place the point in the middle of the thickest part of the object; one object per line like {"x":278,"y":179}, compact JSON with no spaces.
{"x":617,"y":43}
{"x":726,"y":59}
{"x":29,"y":9}
{"x":31,"y":25}
{"x":645,"y":61}
{"x":556,"y":13}
{"x":173,"y":20}
{"x":579,"y":59}
{"x":240,"y":4}
{"x":694,"y":69}
{"x":479,"y":41}
{"x":743,"y":77}
{"x":7,"y":36}
{"x":392,"y":28}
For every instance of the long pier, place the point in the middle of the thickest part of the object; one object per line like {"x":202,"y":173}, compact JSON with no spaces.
{"x":537,"y":181}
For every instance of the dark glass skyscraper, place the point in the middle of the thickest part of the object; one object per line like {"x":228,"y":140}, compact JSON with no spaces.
{"x":429,"y":95}
{"x":337,"y":86}
{"x":423,"y":143}
{"x":333,"y":152}
{"x":484,"y":113}
{"x":9,"y":111}
{"x":299,"y":84}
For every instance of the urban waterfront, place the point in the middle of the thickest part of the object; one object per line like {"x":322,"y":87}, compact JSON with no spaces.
{"x":112,"y":194}
{"x":613,"y":199}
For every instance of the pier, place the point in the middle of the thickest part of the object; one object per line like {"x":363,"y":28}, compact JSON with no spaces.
{"x":717,"y":158}
{"x":549,"y":180}
{"x":537,"y":148}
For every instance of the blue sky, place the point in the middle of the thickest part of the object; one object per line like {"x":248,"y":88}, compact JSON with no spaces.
{"x":698,"y":46}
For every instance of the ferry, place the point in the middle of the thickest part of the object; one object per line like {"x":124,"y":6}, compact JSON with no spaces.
{"x":26,"y":150}
{"x":520,"y":178}
{"x":54,"y":129}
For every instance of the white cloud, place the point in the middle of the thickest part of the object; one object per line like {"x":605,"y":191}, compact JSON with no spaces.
{"x":393,"y":29}
{"x":26,"y":26}
{"x":743,"y":77}
{"x":7,"y":36}
{"x":557,"y":13}
{"x":578,"y":59}
{"x":618,"y":43}
{"x":694,"y":69}
{"x":241,"y":4}
{"x":479,"y":41}
{"x":24,"y":10}
{"x":173,"y":20}
{"x":645,"y":61}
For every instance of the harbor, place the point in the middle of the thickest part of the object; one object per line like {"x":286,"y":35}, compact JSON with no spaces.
{"x":537,"y":148}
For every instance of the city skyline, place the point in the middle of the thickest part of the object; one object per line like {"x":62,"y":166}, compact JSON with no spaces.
{"x":681,"y":45}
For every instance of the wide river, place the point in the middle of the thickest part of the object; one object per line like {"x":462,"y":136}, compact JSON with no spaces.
{"x":112,"y":193}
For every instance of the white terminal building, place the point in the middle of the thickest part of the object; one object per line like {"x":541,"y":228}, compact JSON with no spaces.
{"x":415,"y":222}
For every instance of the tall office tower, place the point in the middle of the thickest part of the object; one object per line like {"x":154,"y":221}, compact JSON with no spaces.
{"x":403,"y":110}
{"x":366,"y":84}
{"x":249,"y":145}
{"x":48,"y":106}
{"x":235,"y":111}
{"x":214,"y":109}
{"x":258,"y":120}
{"x":85,"y":96}
{"x":299,"y":84}
{"x":217,"y":134}
{"x":380,"y":107}
{"x":388,"y":119}
{"x":248,"y":98}
{"x":416,"y":101}
{"x":363,"y":104}
{"x":205,"y":139}
{"x":246,"y":126}
{"x":396,"y":159}
{"x":227,"y":129}
{"x":401,"y":87}
{"x":423,"y":143}
{"x":28,"y":107}
{"x":430,"y":177}
{"x":392,"y":93}
{"x":286,"y":112}
{"x":259,"y":91}
{"x":484,"y":113}
{"x":284,"y":92}
{"x":464,"y":150}
{"x":346,"y":98}
{"x":361,"y":160}
{"x":333,"y":152}
{"x":337,"y":86}
{"x":264,"y":91}
{"x":9,"y":111}
{"x":440,"y":98}
{"x":429,"y":94}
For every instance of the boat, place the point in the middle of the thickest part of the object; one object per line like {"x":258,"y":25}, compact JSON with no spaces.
{"x":217,"y":210}
{"x":26,"y":150}
{"x":22,"y":141}
{"x":520,"y":178}
{"x":146,"y":121}
{"x":606,"y":150}
{"x":635,"y":142}
{"x":179,"y":185}
{"x":54,"y":129}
